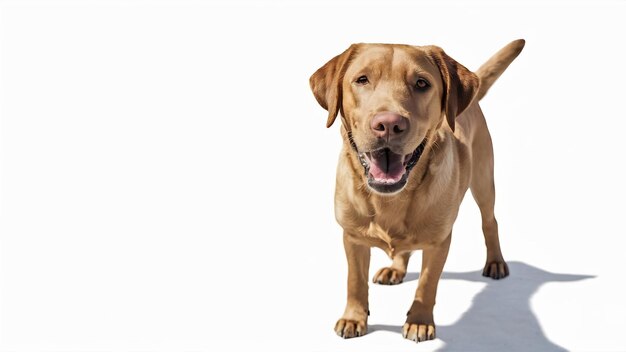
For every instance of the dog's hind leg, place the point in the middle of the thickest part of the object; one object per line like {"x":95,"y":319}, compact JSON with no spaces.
{"x":483,"y":190}
{"x":395,"y":273}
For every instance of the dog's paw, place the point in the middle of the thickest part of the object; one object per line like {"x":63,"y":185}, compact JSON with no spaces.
{"x":389,"y":276}
{"x":496,"y":269}
{"x":348,"y":328}
{"x":418,"y":332}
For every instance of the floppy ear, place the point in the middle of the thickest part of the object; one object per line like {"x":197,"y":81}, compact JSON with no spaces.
{"x":326,"y":84}
{"x":460,"y":84}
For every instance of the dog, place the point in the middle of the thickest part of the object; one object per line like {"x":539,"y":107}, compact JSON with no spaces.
{"x":414,"y":140}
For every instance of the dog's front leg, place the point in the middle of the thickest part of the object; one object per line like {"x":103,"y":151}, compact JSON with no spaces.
{"x":353,"y":323}
{"x":420,"y":325}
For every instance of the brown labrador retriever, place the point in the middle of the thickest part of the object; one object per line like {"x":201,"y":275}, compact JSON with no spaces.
{"x":414,"y":140}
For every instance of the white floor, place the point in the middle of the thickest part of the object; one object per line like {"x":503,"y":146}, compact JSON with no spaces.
{"x":167,"y":180}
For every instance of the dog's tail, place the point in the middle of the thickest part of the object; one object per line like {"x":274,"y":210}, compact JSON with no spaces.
{"x":493,"y":68}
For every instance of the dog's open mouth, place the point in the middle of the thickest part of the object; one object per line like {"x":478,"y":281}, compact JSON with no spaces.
{"x":386,"y":171}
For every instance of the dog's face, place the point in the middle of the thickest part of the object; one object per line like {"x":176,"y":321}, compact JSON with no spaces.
{"x":391,"y":97}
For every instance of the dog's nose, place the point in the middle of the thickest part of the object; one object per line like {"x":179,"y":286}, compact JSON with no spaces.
{"x":388,"y":125}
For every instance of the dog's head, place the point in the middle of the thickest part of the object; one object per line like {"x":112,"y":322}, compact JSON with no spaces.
{"x":390,"y":98}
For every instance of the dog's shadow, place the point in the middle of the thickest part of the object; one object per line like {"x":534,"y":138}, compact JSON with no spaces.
{"x":500,"y":317}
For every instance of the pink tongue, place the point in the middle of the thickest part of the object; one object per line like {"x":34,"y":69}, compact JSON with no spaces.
{"x":386,"y":166}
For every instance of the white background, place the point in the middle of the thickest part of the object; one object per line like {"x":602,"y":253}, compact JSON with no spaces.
{"x":167,"y":179}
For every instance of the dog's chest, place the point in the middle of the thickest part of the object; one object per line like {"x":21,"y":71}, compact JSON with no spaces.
{"x":407,"y":235}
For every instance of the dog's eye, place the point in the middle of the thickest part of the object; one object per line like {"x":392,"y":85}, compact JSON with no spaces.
{"x":422,"y":84}
{"x":362,"y":80}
